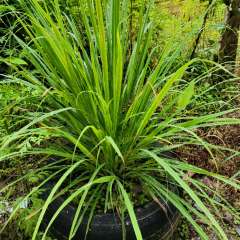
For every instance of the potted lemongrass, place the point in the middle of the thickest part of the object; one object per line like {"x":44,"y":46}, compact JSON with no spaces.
{"x":107,"y":122}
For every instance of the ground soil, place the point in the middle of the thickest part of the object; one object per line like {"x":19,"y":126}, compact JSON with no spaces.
{"x":229,"y":137}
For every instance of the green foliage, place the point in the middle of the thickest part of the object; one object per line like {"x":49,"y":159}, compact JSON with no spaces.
{"x":179,"y":22}
{"x":15,"y":102}
{"x":185,"y":97}
{"x":106,"y":114}
{"x":209,"y":44}
{"x":27,"y":217}
{"x":175,"y":22}
{"x":10,"y":53}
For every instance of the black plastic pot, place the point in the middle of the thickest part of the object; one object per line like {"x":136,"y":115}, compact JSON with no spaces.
{"x":154,"y":221}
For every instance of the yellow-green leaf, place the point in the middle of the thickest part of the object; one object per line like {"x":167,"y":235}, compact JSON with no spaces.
{"x":15,"y":61}
{"x":185,"y":97}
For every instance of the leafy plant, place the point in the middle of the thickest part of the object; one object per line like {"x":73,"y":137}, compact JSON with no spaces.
{"x":181,"y":21}
{"x":27,"y":217}
{"x":10,"y":53}
{"x":108,"y":115}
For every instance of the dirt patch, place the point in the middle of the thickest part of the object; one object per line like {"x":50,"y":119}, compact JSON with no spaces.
{"x":223,"y":162}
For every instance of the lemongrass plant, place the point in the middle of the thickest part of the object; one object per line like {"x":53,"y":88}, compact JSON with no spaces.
{"x":106,"y":116}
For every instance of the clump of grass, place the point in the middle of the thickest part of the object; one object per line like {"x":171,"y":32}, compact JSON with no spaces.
{"x":107,"y":115}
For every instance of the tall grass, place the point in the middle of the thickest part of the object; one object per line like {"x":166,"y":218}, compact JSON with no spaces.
{"x":107,"y":115}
